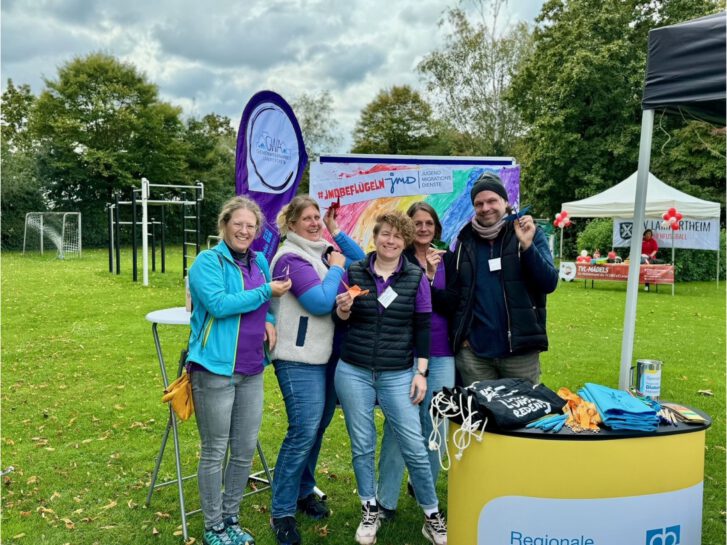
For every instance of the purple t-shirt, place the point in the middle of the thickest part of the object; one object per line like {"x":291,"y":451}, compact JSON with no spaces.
{"x":300,"y":271}
{"x":440,"y":325}
{"x":423,"y":301}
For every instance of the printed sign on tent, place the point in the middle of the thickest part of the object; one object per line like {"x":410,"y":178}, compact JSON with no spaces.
{"x":694,"y":234}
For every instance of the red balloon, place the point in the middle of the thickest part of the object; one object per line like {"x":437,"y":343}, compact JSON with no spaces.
{"x":665,"y":216}
{"x":675,"y":226}
{"x":555,"y":222}
{"x":564,"y":214}
{"x":679,"y":216}
{"x":672,"y":211}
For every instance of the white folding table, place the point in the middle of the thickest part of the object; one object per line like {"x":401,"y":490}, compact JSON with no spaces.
{"x":180,"y":316}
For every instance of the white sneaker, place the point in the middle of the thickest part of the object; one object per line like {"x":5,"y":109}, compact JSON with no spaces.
{"x":435,"y":528}
{"x":370,"y":523}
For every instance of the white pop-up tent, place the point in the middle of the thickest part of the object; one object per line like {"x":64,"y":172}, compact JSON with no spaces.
{"x":618,"y":202}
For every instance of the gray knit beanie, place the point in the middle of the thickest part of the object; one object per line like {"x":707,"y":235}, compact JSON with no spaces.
{"x":488,"y":182}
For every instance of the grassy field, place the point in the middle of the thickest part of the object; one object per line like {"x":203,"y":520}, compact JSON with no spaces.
{"x":82,"y":418}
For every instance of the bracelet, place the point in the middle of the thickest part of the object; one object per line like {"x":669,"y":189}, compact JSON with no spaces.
{"x":336,"y":233}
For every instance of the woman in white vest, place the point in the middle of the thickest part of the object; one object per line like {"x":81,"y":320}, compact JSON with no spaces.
{"x":305,"y":338}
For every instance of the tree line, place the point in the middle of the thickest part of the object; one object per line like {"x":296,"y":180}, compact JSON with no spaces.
{"x":562,"y":97}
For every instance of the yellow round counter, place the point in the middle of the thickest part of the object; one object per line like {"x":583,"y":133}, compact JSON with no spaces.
{"x":528,"y":487}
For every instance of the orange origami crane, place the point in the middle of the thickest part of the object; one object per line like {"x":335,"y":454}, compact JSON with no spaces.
{"x":354,"y":291}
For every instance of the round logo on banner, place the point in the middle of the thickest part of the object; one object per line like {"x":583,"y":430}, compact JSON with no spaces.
{"x":272,"y":150}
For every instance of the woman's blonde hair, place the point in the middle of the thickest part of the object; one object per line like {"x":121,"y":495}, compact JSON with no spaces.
{"x":232,"y":206}
{"x":399,"y":221}
{"x":292,"y":212}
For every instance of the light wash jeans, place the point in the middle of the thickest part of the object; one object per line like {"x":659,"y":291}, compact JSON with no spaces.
{"x":358,"y":390}
{"x":228,"y":410}
{"x":391,"y":463}
{"x":303,"y":386}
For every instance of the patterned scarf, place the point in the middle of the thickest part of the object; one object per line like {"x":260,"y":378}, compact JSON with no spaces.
{"x":488,"y":233}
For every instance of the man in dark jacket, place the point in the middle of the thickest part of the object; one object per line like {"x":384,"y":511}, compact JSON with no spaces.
{"x":504,"y":271}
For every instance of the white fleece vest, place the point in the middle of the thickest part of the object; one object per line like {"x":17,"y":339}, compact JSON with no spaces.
{"x":302,"y":337}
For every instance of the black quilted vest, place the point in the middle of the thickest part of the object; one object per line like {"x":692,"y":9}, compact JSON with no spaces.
{"x":382,"y":340}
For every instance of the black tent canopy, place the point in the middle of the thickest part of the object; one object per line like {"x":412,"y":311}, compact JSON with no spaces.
{"x":686,"y":69}
{"x":685,"y":75}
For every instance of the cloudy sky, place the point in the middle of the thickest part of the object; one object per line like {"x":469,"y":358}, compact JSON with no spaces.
{"x":212,"y":56}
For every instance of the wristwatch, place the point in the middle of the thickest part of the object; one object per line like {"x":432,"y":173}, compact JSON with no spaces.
{"x":424,"y":373}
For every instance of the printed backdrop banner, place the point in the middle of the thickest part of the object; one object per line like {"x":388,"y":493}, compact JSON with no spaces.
{"x":370,"y":185}
{"x":270,"y":161}
{"x":694,"y":234}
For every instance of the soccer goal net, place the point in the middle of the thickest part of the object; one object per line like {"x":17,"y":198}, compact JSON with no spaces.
{"x":44,"y":230}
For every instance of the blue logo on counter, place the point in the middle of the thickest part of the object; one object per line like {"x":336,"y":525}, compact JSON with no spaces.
{"x":663,"y":536}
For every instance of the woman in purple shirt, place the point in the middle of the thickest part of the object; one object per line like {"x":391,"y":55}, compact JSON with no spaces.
{"x":388,"y":324}
{"x":439,"y":268}
{"x":231,"y":291}
{"x":301,"y":356}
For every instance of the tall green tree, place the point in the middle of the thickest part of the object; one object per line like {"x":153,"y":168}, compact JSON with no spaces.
{"x":319,"y":127}
{"x":579,"y":93}
{"x":469,"y":76}
{"x":397,"y":121}
{"x":20,"y":191}
{"x":100,"y":127}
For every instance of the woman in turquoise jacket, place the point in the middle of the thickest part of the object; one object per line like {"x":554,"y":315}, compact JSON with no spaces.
{"x":231,"y":290}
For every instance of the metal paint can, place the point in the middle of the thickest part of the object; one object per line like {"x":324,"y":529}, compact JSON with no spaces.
{"x":647,"y":378}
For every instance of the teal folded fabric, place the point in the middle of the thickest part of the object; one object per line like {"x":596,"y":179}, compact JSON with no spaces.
{"x":620,"y":410}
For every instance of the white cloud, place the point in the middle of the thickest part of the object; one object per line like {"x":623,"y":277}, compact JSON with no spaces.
{"x":213,"y":56}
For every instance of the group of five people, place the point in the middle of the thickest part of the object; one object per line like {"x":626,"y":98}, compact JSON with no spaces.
{"x":479,"y":309}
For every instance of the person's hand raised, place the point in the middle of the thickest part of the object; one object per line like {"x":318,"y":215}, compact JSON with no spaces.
{"x":337,"y":258}
{"x":525,"y":231}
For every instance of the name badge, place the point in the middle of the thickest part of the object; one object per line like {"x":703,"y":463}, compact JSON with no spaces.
{"x":387,"y":297}
{"x":495,"y":264}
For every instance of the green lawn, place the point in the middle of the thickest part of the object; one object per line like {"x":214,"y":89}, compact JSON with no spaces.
{"x":82,"y":420}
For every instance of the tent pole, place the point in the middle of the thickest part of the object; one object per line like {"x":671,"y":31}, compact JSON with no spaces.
{"x":632,"y":287}
{"x":673,"y":263}
{"x":719,"y":244}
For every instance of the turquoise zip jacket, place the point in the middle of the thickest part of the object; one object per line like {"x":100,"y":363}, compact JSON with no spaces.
{"x":219,"y":299}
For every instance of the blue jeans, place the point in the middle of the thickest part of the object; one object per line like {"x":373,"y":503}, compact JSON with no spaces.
{"x":358,"y":390}
{"x":391,"y":463}
{"x":228,"y":410}
{"x":303,"y":386}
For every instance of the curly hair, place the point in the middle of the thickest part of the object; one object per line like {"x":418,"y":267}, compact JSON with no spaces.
{"x":399,"y":221}
{"x":293,"y":211}
{"x":233,"y":205}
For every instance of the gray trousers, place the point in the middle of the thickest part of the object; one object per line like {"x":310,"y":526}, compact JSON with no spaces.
{"x":228,"y":410}
{"x":473,"y":368}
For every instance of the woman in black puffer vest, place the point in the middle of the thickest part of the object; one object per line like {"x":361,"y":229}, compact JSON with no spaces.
{"x":386,"y":328}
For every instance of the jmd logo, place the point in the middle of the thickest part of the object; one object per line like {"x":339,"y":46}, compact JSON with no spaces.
{"x":663,"y":536}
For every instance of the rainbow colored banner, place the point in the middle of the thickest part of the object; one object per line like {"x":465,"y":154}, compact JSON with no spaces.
{"x":367,"y":185}
{"x":270,"y":161}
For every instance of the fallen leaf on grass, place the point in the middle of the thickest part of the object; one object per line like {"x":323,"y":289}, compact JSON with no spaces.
{"x":109,"y":527}
{"x":131,"y":504}
{"x":25,"y":513}
{"x":161,"y":515}
{"x":109,"y":505}
{"x":18,"y":536}
{"x":69,"y":523}
{"x":154,"y":532}
{"x":33,"y":480}
{"x":322,"y":530}
{"x":178,"y":533}
{"x":190,"y":541}
{"x":705,"y":392}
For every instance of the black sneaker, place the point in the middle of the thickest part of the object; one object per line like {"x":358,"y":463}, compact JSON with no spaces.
{"x":386,"y":514}
{"x":314,"y":507}
{"x":286,"y":530}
